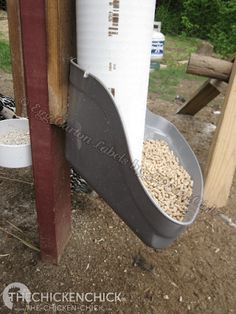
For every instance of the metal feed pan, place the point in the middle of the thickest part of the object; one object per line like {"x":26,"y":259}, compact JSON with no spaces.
{"x":96,"y":146}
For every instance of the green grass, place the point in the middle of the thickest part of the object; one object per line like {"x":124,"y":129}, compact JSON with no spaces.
{"x":164,"y":82}
{"x":5,"y":58}
{"x":178,"y":48}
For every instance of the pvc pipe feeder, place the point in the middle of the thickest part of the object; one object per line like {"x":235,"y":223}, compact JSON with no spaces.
{"x":114,"y":40}
{"x":106,"y":123}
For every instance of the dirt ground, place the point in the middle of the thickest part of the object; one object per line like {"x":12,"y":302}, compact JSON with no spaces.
{"x":195,"y":275}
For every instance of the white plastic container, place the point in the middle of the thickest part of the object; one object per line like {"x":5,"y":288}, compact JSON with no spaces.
{"x":14,"y":156}
{"x":158,"y":42}
{"x":114,"y":44}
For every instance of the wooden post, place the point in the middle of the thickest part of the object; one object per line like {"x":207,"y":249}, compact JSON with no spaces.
{"x":206,"y":93}
{"x":61,"y":33}
{"x":222,"y":159}
{"x":209,"y":67}
{"x":13,"y":11}
{"x":51,"y":172}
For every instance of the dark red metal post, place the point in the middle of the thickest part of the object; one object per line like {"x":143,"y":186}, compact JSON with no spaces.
{"x":51,"y":172}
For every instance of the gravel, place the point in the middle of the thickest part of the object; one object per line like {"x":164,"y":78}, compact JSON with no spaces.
{"x":15,"y":137}
{"x":167,"y":181}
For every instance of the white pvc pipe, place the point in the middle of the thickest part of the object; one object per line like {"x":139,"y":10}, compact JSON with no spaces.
{"x":114,"y":43}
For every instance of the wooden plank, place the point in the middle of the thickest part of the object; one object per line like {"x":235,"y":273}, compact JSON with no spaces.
{"x":221,"y":86}
{"x":14,"y":23}
{"x":209,"y":67}
{"x":61,"y":30}
{"x":206,"y":93}
{"x":222,"y":160}
{"x":51,"y":171}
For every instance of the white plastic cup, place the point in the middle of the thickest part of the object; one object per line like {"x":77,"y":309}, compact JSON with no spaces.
{"x":114,"y":43}
{"x":14,"y":156}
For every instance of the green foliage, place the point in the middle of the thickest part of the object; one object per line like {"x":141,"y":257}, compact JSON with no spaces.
{"x":5,"y":59}
{"x":223,"y":33}
{"x":171,"y":20}
{"x":214,"y":20}
{"x":199,"y":16}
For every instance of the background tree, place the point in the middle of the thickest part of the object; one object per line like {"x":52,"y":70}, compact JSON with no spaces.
{"x":214,"y":20}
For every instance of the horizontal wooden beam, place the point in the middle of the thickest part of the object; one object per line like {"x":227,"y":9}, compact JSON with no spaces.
{"x":209,"y":67}
{"x":205,"y":94}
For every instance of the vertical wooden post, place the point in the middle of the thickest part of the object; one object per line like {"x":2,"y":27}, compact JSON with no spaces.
{"x":222,"y":161}
{"x":13,"y":11}
{"x":51,"y":172}
{"x":61,"y":33}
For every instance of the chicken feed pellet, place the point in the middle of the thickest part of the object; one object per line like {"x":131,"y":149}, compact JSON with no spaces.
{"x":15,"y":137}
{"x":167,"y":181}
